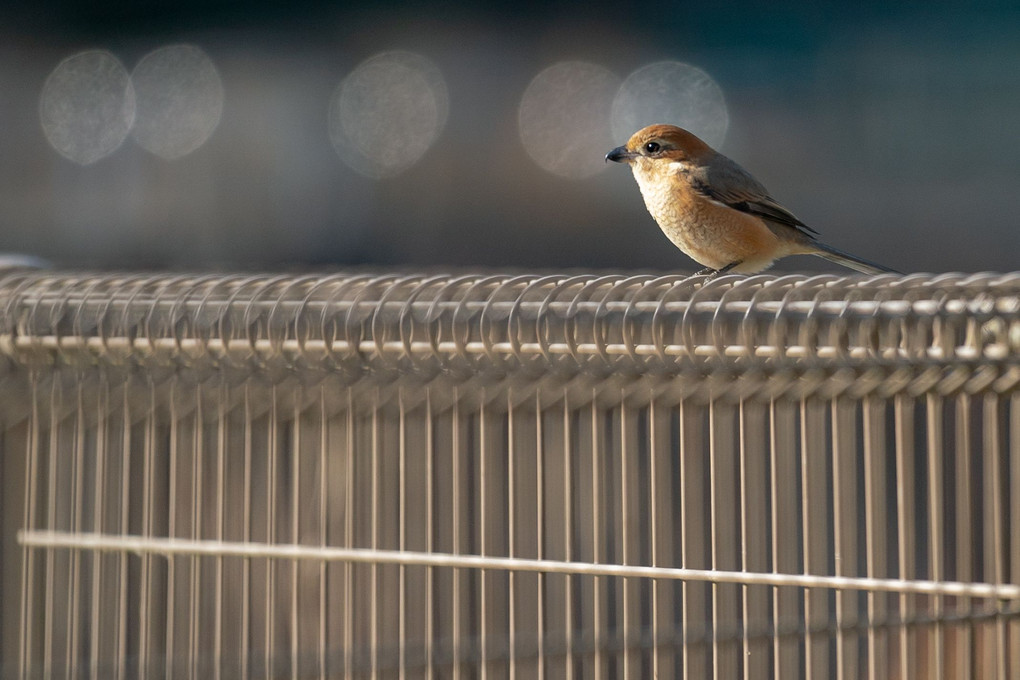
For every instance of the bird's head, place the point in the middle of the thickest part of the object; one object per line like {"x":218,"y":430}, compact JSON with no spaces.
{"x":659,"y":145}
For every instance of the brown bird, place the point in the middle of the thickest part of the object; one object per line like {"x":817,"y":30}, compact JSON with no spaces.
{"x":714,"y":210}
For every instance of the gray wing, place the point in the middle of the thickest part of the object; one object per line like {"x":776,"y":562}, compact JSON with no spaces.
{"x":728,"y":183}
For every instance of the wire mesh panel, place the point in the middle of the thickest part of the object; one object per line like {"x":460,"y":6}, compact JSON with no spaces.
{"x":510,"y":476}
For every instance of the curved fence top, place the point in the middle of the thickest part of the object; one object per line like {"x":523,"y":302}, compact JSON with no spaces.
{"x":854,"y":334}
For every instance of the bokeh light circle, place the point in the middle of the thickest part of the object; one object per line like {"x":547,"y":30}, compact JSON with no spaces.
{"x":564,"y":118}
{"x":87,"y":106}
{"x":670,"y":92}
{"x":388,"y":112}
{"x":179,"y":99}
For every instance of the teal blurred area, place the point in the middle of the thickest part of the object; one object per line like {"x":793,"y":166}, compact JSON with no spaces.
{"x":232,"y":134}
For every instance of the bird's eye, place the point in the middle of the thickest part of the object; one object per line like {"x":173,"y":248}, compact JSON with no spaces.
{"x":652,"y":147}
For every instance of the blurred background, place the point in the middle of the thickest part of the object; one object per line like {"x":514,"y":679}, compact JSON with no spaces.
{"x":217,"y":133}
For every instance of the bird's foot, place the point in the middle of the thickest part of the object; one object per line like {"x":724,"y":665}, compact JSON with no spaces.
{"x":713,"y":273}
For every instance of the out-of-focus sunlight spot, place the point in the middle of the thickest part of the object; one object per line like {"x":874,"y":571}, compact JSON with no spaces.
{"x":564,"y":118}
{"x":179,"y":100}
{"x":387,"y":113}
{"x":87,"y":106}
{"x":671,"y":92}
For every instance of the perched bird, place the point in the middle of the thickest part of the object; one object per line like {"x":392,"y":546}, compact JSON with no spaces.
{"x":714,"y":210}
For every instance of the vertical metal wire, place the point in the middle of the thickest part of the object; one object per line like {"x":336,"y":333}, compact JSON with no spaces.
{"x":586,"y":596}
{"x":933,"y":663}
{"x":725,"y":527}
{"x":325,"y":474}
{"x":97,"y":620}
{"x":815,"y":515}
{"x":170,"y":652}
{"x":525,"y":467}
{"x":845,"y":507}
{"x":572,"y":584}
{"x":263,"y":480}
{"x":124,"y":512}
{"x":541,"y":581}
{"x":906,"y":526}
{"x":295,"y":492}
{"x":785,"y":539}
{"x":147,"y":596}
{"x":492,"y":509}
{"x":598,"y":614}
{"x":560,"y":510}
{"x":26,"y":660}
{"x":627,"y":621}
{"x":754,"y":474}
{"x":374,"y":464}
{"x":388,"y":506}
{"x":697,"y":658}
{"x":1013,"y":626}
{"x":271,"y":503}
{"x":485,"y":604}
{"x":430,"y":532}
{"x":220,"y":490}
{"x":512,"y":462}
{"x":77,"y":524}
{"x":402,"y":594}
{"x":994,"y":632}
{"x":195,"y":618}
{"x":246,"y":531}
{"x":458,"y":627}
{"x":529,"y":503}
{"x":420,"y":494}
{"x":876,"y":519}
{"x":961,"y":648}
{"x":660,"y":549}
{"x":49,"y":644}
{"x":349,"y":454}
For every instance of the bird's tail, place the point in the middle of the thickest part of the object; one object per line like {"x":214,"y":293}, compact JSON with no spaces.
{"x":851,"y":261}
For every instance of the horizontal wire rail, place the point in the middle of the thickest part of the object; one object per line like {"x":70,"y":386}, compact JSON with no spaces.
{"x":167,"y":547}
{"x":468,"y":649}
{"x":440,"y":654}
{"x":916,"y":332}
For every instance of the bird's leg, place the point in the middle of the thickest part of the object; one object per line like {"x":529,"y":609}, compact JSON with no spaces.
{"x":712,"y":273}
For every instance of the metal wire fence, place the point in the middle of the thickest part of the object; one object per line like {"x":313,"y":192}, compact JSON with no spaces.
{"x":518,"y":476}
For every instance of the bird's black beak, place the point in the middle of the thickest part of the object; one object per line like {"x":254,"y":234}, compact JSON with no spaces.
{"x":620,"y":155}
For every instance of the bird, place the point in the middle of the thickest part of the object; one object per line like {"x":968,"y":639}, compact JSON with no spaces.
{"x":714,"y":210}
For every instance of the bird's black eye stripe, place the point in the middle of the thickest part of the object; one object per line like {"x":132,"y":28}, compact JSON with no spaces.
{"x":652,"y":147}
